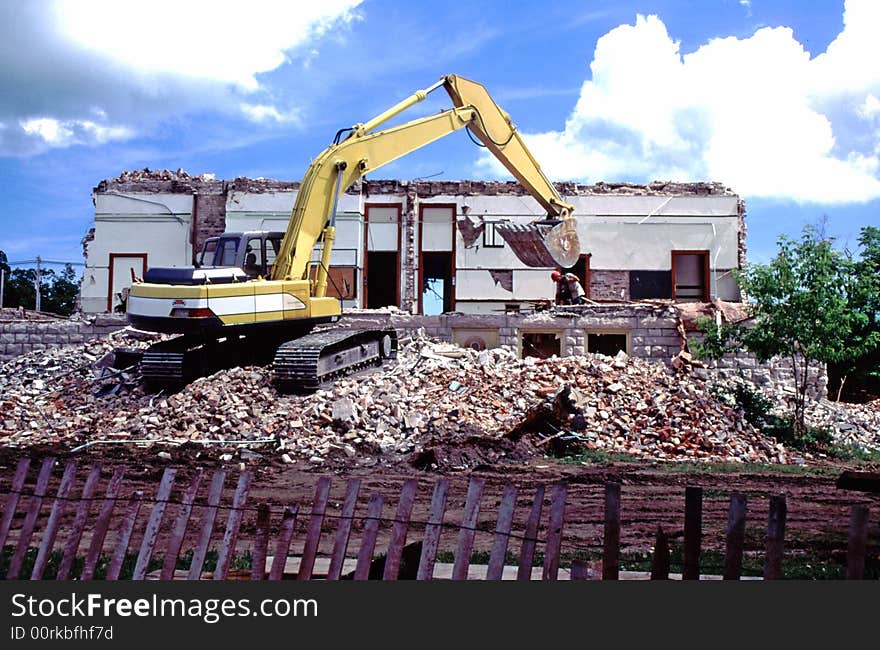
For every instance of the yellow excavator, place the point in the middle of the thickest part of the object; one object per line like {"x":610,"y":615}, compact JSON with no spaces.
{"x":252,"y":299}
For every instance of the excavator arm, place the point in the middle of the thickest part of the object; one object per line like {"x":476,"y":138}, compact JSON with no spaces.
{"x":365,"y":150}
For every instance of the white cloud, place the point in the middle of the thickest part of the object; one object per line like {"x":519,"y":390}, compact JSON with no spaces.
{"x":757,"y":113}
{"x":64,"y":134}
{"x":219,"y":40}
{"x":89,"y":71}
{"x":265,"y":113}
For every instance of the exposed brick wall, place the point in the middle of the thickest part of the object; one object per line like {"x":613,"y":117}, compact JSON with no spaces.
{"x":210,"y":218}
{"x":22,"y":336}
{"x":607,"y":285}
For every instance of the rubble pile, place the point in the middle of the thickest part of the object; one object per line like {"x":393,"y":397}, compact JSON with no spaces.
{"x":850,"y":424}
{"x":436,"y":393}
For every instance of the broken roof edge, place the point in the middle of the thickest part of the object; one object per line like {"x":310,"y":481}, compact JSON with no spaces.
{"x":165,"y":181}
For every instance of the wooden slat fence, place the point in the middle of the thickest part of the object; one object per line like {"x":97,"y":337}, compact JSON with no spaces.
{"x":166,"y":519}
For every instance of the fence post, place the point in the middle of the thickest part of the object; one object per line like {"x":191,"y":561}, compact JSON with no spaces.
{"x":261,"y":542}
{"x":30,"y":519}
{"x":398,"y":530}
{"x":468,"y":529}
{"x":282,"y":546}
{"x":152,"y":529}
{"x":497,"y":557}
{"x":101,"y":524}
{"x":579,"y":570}
{"x":368,"y":541}
{"x":775,"y":538}
{"x":660,"y":564}
{"x":54,"y":521}
{"x":12,"y":499}
{"x":433,"y":530}
{"x":313,"y":536}
{"x":233,"y":522}
{"x":611,"y":547}
{"x":179,"y":530}
{"x":858,"y":538}
{"x":125,"y":530}
{"x":343,"y":530}
{"x":530,"y":538}
{"x":79,"y":523}
{"x":209,"y":515}
{"x":736,"y":533}
{"x":693,"y":532}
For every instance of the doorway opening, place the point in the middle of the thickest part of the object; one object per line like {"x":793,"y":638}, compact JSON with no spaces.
{"x":437,"y":283}
{"x":381,"y":280}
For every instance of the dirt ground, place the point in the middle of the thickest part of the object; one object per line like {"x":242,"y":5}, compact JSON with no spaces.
{"x":652,"y":496}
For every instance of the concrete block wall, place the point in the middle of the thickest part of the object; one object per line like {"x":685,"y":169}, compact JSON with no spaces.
{"x":23,"y":336}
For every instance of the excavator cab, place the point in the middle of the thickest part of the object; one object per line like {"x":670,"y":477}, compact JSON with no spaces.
{"x":252,"y":252}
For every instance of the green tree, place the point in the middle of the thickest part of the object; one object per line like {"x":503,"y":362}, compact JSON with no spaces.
{"x":863,"y":291}
{"x":800,"y":308}
{"x":60,"y":298}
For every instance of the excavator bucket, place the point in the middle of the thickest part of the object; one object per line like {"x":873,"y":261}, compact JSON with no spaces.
{"x":543,"y":243}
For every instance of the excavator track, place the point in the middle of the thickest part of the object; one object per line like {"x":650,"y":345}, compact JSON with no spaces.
{"x":305,"y":363}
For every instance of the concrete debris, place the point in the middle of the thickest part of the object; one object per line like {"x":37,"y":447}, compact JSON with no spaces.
{"x":438,"y":405}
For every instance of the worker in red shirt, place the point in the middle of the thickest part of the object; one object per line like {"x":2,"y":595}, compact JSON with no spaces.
{"x":568,"y":289}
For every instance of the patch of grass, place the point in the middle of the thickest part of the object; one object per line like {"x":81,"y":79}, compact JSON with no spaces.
{"x":241,"y":561}
{"x":855,"y":454}
{"x":601,"y":457}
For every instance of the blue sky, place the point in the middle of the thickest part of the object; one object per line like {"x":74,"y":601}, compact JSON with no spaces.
{"x":777,"y":99}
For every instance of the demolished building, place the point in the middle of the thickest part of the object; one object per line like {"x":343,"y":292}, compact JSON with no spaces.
{"x":430,"y":249}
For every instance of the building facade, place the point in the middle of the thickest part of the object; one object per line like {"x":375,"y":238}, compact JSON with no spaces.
{"x":430,"y":247}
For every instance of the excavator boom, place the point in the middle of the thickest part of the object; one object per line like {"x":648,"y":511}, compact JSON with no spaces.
{"x":365,"y":150}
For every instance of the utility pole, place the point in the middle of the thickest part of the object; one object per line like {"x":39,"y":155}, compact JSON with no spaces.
{"x":2,"y":284}
{"x":38,"y":283}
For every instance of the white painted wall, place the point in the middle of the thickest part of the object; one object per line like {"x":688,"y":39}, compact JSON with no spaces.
{"x":155,"y":224}
{"x":621,"y":232}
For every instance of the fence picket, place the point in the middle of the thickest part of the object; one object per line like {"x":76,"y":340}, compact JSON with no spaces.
{"x":172,"y":551}
{"x":858,"y":538}
{"x":125,"y":530}
{"x":343,"y":530}
{"x":261,"y":542}
{"x":498,"y":555}
{"x":79,"y":523}
{"x":736,"y":534}
{"x":282,"y":545}
{"x":468,"y":529}
{"x":12,"y":498}
{"x":398,"y":531}
{"x":313,"y":536}
{"x":153,"y":523}
{"x":530,"y":538}
{"x":775,"y":538}
{"x":209,"y":515}
{"x":368,"y":541}
{"x":693,"y":532}
{"x":233,"y":523}
{"x":54,"y":520}
{"x":30,"y":519}
{"x":554,"y":532}
{"x":611,"y":546}
{"x":433,"y":529}
{"x":660,"y":563}
{"x":579,"y":570}
{"x":101,"y":524}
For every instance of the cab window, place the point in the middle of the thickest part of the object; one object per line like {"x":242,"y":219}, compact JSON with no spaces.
{"x":272,"y":248}
{"x":253,"y":256}
{"x":207,"y":254}
{"x":226,"y":252}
